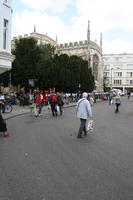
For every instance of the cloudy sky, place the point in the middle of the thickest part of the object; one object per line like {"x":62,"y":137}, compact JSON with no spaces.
{"x":68,"y":19}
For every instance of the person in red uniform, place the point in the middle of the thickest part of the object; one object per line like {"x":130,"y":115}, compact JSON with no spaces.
{"x":39,"y":103}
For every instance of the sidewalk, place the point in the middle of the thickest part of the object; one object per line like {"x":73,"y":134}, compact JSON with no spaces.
{"x":17,"y":110}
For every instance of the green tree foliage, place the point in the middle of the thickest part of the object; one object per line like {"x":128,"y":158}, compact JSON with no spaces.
{"x":27,"y":55}
{"x":33,"y":61}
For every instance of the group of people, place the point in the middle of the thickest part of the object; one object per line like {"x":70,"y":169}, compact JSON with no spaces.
{"x":55,"y":101}
{"x":83,"y":109}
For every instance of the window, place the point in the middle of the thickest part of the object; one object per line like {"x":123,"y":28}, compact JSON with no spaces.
{"x":118,"y":58}
{"x":106,"y":67}
{"x":131,"y":82}
{"x":119,"y":74}
{"x":129,"y":74}
{"x":117,"y":82}
{"x":5,"y":34}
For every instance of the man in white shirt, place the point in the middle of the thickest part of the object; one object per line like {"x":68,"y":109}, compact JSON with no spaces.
{"x":83,"y":110}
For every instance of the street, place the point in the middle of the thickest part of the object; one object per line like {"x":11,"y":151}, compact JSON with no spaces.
{"x":43,"y":160}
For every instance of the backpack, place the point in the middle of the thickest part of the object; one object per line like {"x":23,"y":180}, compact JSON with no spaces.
{"x":53,"y":99}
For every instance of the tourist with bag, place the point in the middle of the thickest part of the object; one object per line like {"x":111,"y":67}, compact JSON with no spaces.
{"x":117,"y":103}
{"x":53,"y":103}
{"x":84,"y":112}
{"x":60,"y":103}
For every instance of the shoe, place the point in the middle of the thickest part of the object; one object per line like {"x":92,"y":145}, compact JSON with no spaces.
{"x":79,"y":136}
{"x":5,"y":134}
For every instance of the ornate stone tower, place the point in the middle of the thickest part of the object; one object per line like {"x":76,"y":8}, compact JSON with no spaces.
{"x":88,"y":41}
{"x":88,"y":50}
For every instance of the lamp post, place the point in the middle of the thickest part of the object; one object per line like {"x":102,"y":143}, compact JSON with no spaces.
{"x":79,"y":78}
{"x":10,"y":79}
{"x":111,"y":78}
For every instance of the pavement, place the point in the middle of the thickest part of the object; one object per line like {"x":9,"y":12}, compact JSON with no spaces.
{"x":43,"y":160}
{"x":20,"y":110}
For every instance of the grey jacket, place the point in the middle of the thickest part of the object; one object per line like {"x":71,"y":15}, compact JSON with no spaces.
{"x":83,"y":109}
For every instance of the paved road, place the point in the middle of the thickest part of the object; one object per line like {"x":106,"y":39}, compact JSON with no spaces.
{"x":43,"y":159}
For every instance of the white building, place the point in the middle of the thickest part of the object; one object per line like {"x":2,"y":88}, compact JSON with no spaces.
{"x":5,"y":35}
{"x":118,"y":71}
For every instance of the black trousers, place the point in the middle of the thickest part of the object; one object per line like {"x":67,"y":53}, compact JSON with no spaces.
{"x":53,"y":108}
{"x":117,"y":107}
{"x":82,"y":126}
{"x":2,"y":124}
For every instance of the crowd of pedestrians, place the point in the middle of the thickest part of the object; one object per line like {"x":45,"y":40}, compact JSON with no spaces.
{"x":55,"y":101}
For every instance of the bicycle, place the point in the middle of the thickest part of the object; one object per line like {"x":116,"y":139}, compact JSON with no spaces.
{"x":6,"y":107}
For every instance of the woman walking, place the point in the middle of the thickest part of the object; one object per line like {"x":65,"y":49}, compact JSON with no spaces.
{"x":60,"y":102}
{"x":117,"y":103}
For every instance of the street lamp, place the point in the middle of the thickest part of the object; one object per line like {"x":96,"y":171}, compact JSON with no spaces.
{"x":111,"y":78}
{"x":79,"y":78}
{"x":10,"y":82}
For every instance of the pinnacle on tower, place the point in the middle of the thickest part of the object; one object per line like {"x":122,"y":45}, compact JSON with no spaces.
{"x":88,"y":31}
{"x":34,"y":29}
{"x":101,"y":41}
{"x":56,"y":39}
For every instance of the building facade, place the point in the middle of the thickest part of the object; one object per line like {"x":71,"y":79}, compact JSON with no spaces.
{"x":118,"y":71}
{"x":5,"y":35}
{"x":41,"y":39}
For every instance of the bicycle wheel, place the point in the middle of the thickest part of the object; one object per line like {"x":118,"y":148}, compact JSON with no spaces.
{"x":8,"y":108}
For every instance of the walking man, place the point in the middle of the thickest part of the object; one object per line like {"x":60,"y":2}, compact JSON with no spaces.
{"x":53,"y":103}
{"x":117,"y":103}
{"x":83,"y":111}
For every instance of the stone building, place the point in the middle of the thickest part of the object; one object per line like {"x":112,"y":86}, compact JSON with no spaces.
{"x":118,"y":71}
{"x":87,"y":49}
{"x":5,"y":35}
{"x":41,"y":39}
{"x":90,"y":51}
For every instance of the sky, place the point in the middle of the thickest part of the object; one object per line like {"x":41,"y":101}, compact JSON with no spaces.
{"x":68,"y":20}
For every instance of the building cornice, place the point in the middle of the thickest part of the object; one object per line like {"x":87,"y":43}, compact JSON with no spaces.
{"x":6,"y":56}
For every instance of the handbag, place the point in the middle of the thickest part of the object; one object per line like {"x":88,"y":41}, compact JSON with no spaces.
{"x":57,"y":108}
{"x":90,"y":125}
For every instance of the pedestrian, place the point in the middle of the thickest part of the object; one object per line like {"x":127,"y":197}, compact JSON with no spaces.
{"x":128,"y":94}
{"x":35,"y":102}
{"x":110,"y":98}
{"x":117,"y":103}
{"x":39,"y":103}
{"x":2,"y":102}
{"x":60,"y":102}
{"x":3,"y":127}
{"x":91,"y":100}
{"x":53,"y":103}
{"x":83,"y":111}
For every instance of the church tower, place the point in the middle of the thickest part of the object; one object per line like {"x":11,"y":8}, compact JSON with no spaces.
{"x":88,"y":43}
{"x":101,"y":41}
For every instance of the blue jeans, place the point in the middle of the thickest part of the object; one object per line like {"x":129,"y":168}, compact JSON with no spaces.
{"x":40,"y":108}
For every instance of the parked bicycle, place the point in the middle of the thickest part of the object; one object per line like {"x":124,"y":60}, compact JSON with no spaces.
{"x":5,"y":107}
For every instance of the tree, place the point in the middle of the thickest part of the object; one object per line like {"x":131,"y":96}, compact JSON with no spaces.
{"x":33,"y":61}
{"x":27,"y":55}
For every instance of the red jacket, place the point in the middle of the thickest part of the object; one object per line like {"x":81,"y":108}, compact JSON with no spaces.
{"x":38,"y":99}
